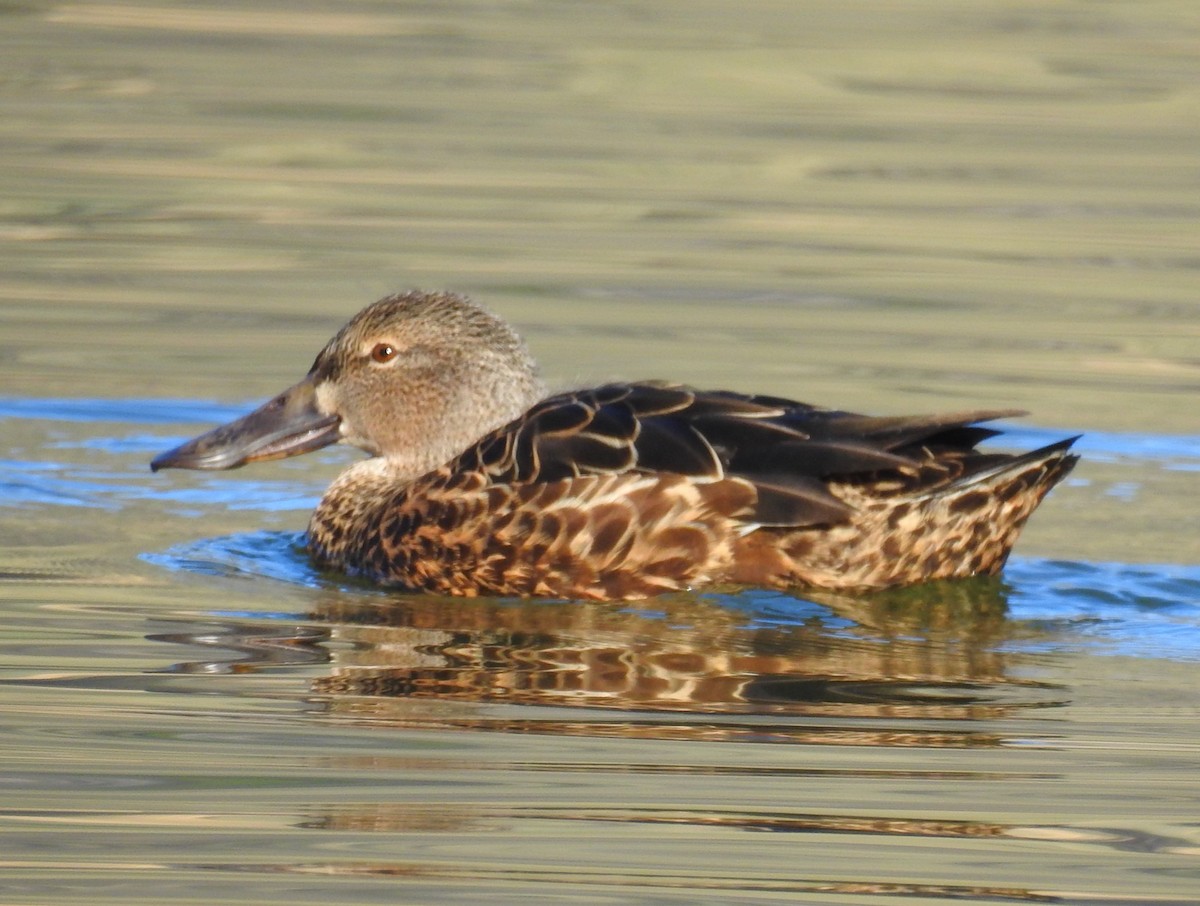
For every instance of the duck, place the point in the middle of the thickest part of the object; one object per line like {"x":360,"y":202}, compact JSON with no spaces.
{"x":479,"y":481}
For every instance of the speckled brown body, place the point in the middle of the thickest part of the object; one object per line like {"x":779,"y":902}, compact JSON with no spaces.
{"x":480,"y":483}
{"x":483,"y":525}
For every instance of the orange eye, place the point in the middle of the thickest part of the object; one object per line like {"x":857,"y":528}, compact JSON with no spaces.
{"x":383,"y":352}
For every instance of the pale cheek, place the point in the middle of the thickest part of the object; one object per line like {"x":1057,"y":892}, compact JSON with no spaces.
{"x":326,"y":395}
{"x":350,"y":431}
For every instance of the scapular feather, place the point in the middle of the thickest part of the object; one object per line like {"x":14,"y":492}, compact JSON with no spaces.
{"x":788,"y":451}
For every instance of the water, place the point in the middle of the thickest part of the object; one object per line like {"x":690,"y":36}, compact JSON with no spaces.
{"x":890,"y":209}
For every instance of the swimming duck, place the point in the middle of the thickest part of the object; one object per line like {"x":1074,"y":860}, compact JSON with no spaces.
{"x":479,"y":482}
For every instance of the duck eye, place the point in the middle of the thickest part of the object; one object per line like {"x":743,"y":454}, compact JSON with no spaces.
{"x":383,"y":352}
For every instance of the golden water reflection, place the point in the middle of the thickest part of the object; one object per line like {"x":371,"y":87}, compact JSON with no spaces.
{"x":693,"y":667}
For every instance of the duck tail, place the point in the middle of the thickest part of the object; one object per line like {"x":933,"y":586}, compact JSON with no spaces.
{"x":1042,"y":469}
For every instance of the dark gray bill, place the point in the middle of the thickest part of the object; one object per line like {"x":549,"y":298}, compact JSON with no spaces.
{"x":288,"y":425}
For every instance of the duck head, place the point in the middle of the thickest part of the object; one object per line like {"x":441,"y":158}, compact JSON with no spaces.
{"x":415,"y":378}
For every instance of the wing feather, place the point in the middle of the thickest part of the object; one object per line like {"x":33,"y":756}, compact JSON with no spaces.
{"x":792,"y":453}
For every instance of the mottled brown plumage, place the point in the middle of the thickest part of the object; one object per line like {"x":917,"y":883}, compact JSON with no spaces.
{"x":481,"y":484}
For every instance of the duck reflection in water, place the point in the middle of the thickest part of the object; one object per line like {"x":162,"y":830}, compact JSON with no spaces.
{"x":698,"y":666}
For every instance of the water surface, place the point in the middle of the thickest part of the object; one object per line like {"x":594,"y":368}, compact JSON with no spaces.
{"x":886,"y":208}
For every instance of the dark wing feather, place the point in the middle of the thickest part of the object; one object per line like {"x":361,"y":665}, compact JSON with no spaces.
{"x":819,"y":458}
{"x":791,"y":499}
{"x":668,"y":443}
{"x":897,"y":432}
{"x":789,"y":451}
